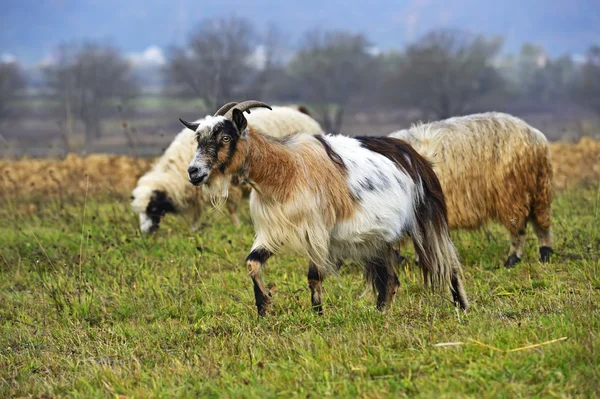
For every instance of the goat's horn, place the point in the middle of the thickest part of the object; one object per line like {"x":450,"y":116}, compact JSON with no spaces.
{"x":190,"y":125}
{"x":225,"y":108}
{"x":245,"y":106}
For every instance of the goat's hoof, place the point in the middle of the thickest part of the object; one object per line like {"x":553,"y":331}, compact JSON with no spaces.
{"x":318,"y":309}
{"x":512,"y":261}
{"x":264,"y":309}
{"x":263,"y":305}
{"x":461,"y":303}
{"x":545,"y":254}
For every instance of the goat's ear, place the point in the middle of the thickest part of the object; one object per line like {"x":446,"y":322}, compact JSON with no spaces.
{"x":239,"y":120}
{"x":189,"y":125}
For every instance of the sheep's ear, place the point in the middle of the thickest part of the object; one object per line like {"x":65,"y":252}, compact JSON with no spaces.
{"x":239,"y":120}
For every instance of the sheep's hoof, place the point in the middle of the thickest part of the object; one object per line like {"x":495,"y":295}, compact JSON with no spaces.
{"x":512,"y":261}
{"x":545,"y":253}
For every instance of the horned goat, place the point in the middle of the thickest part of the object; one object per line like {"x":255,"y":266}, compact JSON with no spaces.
{"x":165,"y":188}
{"x":330,"y":198}
{"x":491,"y":166}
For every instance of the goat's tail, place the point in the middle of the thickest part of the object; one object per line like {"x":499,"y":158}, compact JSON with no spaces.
{"x":437,"y":256}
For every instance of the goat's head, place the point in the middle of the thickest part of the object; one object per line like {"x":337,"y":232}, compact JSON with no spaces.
{"x":222,"y":147}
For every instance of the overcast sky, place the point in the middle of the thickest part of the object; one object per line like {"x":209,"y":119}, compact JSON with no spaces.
{"x":31,"y":29}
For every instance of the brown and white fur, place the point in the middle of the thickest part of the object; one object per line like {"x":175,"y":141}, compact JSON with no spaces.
{"x":331,"y":198}
{"x":165,"y":188}
{"x":491,"y":166}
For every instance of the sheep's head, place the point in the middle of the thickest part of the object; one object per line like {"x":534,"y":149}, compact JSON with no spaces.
{"x":151,"y":205}
{"x":221,"y":147}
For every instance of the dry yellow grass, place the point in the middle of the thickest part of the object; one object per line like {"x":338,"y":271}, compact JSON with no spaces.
{"x":117,"y":175}
{"x":72,"y":176}
{"x":574,"y":163}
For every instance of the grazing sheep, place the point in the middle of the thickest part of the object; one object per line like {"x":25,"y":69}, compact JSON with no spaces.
{"x":492,"y":166}
{"x":165,"y":188}
{"x":330,"y":198}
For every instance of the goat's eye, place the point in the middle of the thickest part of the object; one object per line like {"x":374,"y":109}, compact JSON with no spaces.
{"x":226,"y":139}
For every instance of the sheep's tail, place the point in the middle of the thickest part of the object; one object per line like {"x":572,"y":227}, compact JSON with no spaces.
{"x":438,"y":258}
{"x":542,"y":199}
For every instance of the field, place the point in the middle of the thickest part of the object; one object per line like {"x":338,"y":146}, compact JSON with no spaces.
{"x":90,"y":308}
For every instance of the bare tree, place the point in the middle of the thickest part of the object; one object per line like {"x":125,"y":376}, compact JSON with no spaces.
{"x":444,"y":73}
{"x":87,"y":80}
{"x":12,"y":79}
{"x":269,"y":64}
{"x":214,"y":62}
{"x":329,"y":70}
{"x":587,"y":87}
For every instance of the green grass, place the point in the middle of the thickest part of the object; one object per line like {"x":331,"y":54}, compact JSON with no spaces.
{"x":108,"y":313}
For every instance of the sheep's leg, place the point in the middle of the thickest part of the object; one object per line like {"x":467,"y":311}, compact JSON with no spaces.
{"x":315,"y":283}
{"x":255,"y":262}
{"x":381,"y":272}
{"x":232,"y":209}
{"x":401,"y":260}
{"x":544,"y":235}
{"x":517,"y":245}
{"x":233,"y":201}
{"x":541,"y":214}
{"x":517,"y":227}
{"x":196,"y":215}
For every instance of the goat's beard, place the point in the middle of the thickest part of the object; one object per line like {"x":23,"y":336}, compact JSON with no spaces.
{"x":217,"y":189}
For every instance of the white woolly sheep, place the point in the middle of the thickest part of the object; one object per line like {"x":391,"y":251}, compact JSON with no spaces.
{"x":330,"y":198}
{"x":491,"y":166}
{"x":165,"y":188}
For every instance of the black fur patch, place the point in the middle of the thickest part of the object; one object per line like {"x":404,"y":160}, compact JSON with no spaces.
{"x":545,"y":254}
{"x":259,"y":255}
{"x":334,"y":156}
{"x":209,"y":146}
{"x":239,"y":119}
{"x":159,"y":205}
{"x":512,"y":261}
{"x":313,"y":272}
{"x":398,"y":151}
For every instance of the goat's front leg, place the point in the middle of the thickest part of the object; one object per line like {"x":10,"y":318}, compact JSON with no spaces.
{"x":255,"y":262}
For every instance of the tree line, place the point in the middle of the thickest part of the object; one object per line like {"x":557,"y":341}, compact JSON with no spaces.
{"x":442,"y":74}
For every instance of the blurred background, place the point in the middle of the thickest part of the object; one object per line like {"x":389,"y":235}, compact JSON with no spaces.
{"x":111,"y":76}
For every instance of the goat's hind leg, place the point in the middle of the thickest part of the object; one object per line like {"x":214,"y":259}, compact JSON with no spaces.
{"x":380,"y":272}
{"x":255,"y":262}
{"x":315,"y":283}
{"x":458,"y":291}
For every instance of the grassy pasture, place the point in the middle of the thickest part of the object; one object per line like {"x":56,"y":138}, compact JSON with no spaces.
{"x":89,"y":308}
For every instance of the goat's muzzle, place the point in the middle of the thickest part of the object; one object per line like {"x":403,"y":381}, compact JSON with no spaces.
{"x":196,"y":176}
